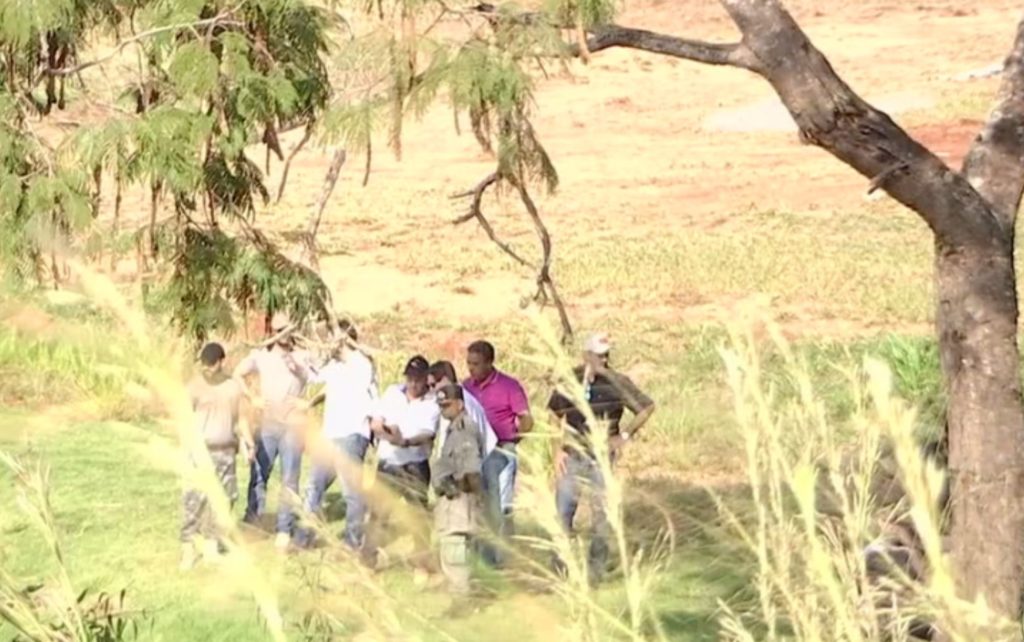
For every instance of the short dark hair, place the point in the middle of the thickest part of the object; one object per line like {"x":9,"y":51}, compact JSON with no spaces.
{"x":349,"y":328}
{"x":444,"y":370}
{"x":484,"y":349}
{"x":212,"y":354}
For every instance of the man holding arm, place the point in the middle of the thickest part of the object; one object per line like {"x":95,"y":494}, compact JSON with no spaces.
{"x":283,"y":372}
{"x":608,"y":393}
{"x":405,"y":423}
{"x":350,"y":392}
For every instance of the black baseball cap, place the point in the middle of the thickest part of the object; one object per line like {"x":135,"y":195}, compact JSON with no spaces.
{"x":418,"y":366}
{"x":212,"y":354}
{"x":447,"y":394}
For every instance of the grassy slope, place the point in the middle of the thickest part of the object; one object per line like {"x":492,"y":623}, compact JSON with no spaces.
{"x":118,"y":507}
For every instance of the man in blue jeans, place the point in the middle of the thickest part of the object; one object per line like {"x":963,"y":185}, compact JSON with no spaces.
{"x":508,"y":412}
{"x":608,"y":393}
{"x":283,"y":372}
{"x":350,"y":392}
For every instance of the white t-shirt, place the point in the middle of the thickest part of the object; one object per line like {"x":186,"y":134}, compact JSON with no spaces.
{"x":350,"y":394}
{"x":477,"y":413}
{"x":413,"y":418}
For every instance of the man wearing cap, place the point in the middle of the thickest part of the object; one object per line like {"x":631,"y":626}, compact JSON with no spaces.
{"x":458,"y":483}
{"x":405,"y":422}
{"x":608,"y":393}
{"x":508,"y":412}
{"x":216,"y":398}
{"x":284,"y":372}
{"x":350,"y":392}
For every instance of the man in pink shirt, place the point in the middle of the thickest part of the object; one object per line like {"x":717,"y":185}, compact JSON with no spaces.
{"x":508,"y":412}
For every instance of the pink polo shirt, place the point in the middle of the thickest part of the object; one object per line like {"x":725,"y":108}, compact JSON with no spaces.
{"x":503,"y":399}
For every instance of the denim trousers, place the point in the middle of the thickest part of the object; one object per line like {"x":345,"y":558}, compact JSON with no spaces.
{"x":353,"y":449}
{"x":582,"y":472}
{"x":499,"y":478}
{"x":270,"y":445}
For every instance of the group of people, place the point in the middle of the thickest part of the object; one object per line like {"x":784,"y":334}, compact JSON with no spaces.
{"x":430,"y":431}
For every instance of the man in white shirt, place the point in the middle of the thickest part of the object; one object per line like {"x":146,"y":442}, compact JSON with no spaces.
{"x":405,"y":422}
{"x":284,"y":372}
{"x":350,"y":393}
{"x":442,"y":373}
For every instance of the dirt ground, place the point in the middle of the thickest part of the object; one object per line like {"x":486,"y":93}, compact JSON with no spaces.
{"x":646,"y":146}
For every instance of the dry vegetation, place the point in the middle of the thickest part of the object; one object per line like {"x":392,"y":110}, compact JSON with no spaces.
{"x":685,"y":204}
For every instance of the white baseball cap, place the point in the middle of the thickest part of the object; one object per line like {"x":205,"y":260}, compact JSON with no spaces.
{"x":598,"y":343}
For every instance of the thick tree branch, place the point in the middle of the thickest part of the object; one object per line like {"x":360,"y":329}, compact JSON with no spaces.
{"x":831,"y":115}
{"x":608,"y":36}
{"x":995,"y":163}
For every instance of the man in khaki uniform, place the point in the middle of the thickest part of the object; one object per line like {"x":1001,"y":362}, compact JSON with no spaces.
{"x":215,"y":401}
{"x":457,"y":480}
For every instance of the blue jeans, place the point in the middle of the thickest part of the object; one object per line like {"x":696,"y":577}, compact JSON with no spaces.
{"x":582,"y":471}
{"x":499,"y":477}
{"x":270,"y":445}
{"x":353,"y":448}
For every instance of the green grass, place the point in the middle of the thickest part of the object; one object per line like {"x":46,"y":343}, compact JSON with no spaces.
{"x":117,"y":507}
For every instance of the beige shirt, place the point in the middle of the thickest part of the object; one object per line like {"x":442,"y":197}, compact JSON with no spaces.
{"x":215,"y":403}
{"x":283,"y":378}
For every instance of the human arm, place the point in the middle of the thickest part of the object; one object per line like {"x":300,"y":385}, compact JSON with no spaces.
{"x":638,"y":403}
{"x":246,"y":367}
{"x":520,"y":405}
{"x":556,"y":414}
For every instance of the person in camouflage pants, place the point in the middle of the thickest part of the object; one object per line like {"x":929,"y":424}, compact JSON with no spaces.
{"x":198,"y":514}
{"x":216,"y":399}
{"x":457,"y":479}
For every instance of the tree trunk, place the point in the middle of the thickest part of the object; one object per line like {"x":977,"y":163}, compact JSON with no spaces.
{"x":972,"y":215}
{"x":977,"y":323}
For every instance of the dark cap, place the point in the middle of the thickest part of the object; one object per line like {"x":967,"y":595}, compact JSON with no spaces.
{"x":448,"y":394}
{"x":417,"y":367}
{"x":212,"y":354}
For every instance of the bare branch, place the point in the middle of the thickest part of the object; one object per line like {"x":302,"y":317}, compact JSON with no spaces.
{"x":475,"y":211}
{"x":995,"y":163}
{"x":545,"y":285}
{"x":291,"y":156}
{"x":732,"y":55}
{"x":313,"y":225}
{"x":544,"y":279}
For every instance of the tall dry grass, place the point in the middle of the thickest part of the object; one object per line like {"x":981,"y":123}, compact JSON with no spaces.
{"x":809,"y":570}
{"x":813,"y":577}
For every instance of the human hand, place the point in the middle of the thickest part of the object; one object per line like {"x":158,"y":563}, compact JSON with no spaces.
{"x":249,"y":451}
{"x":615,"y":444}
{"x":561,"y":461}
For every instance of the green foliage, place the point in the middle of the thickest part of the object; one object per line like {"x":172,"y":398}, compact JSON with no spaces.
{"x":215,"y":274}
{"x":586,"y":13}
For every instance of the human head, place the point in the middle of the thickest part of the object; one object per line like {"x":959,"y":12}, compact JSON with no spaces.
{"x":442,"y":373}
{"x":347,"y":328}
{"x":278,"y":323}
{"x":451,"y":400}
{"x":212,"y":357}
{"x":480,"y":360}
{"x":416,"y":372}
{"x":596,"y":349}
{"x":347,"y":332}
